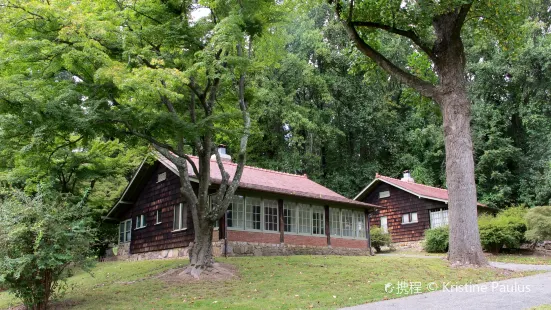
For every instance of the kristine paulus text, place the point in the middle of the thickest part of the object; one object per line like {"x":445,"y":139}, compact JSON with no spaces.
{"x":486,"y":287}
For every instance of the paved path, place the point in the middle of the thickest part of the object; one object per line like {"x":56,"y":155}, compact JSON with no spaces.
{"x":519,"y":293}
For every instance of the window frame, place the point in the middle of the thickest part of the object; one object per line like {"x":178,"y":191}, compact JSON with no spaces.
{"x":384,"y":194}
{"x":158,"y":216}
{"x":161,"y":177}
{"x":182,"y":212}
{"x":125,"y":231}
{"x":140,"y":220}
{"x":410,"y":218}
{"x":385,"y":228}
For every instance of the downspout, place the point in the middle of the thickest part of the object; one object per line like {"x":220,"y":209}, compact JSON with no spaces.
{"x":369,"y":233}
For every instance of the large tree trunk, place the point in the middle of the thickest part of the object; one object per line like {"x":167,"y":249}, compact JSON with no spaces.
{"x":200,"y":254}
{"x":464,"y":248}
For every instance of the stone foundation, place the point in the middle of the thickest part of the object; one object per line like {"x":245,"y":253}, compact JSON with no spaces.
{"x":410,"y":246}
{"x":239,"y":248}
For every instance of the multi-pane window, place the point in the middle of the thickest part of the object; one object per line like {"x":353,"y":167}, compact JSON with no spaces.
{"x":304,"y":219}
{"x":140,"y":221}
{"x":235,"y":212}
{"x":158,"y":216}
{"x":289,"y":217}
{"x":318,"y":220}
{"x":409,"y":218}
{"x":270,"y":215}
{"x":125,"y":229}
{"x":438,"y":218}
{"x":180,"y":217}
{"x":347,"y":223}
{"x":335,"y":221}
{"x":253,"y":213}
{"x":360,"y":224}
{"x":348,"y":227}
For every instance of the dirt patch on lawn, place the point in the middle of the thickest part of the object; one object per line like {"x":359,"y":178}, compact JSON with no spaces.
{"x":219,"y":272}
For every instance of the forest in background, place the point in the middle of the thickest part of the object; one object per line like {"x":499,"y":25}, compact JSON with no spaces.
{"x":317,"y":108}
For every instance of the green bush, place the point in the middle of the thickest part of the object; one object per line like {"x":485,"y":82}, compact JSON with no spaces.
{"x":538,"y":222}
{"x":436,"y":240}
{"x":41,"y":240}
{"x":506,"y":229}
{"x":379,"y":238}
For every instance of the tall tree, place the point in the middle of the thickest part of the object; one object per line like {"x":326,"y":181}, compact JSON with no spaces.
{"x":435,"y":30}
{"x":171,"y":73}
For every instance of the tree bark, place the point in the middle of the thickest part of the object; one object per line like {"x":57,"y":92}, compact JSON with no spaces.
{"x":464,"y":248}
{"x":200,"y":254}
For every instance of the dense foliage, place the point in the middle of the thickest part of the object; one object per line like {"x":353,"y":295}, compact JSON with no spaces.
{"x":436,"y":240}
{"x":42,"y":239}
{"x":379,"y":238}
{"x":506,"y":229}
{"x":538,"y":221}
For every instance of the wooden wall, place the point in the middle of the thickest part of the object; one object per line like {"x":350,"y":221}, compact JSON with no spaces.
{"x":398,"y":203}
{"x":164,"y":195}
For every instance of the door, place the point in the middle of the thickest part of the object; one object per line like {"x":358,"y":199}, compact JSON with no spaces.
{"x":384,"y":224}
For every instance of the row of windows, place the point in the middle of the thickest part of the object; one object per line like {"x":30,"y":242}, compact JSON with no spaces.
{"x":256,"y":214}
{"x":253,"y":213}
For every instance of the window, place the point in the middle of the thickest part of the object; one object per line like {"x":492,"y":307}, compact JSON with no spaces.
{"x":180,"y":217}
{"x":304,"y":219}
{"x":253,"y":214}
{"x":409,"y":218}
{"x":318,"y":220}
{"x":289,"y":217}
{"x":270,"y":215}
{"x":348,"y":227}
{"x":360,"y":224}
{"x":235,"y":212}
{"x":384,"y":224}
{"x":158,"y":217}
{"x":125,"y":228}
{"x":140,"y":221}
{"x":384,"y":194}
{"x":161,"y":177}
{"x":335,"y":221}
{"x":438,"y":218}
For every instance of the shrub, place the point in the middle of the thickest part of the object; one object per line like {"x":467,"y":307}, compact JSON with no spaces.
{"x":41,"y":240}
{"x":379,"y":238}
{"x":436,"y":240}
{"x":505,"y":229}
{"x":538,"y":222}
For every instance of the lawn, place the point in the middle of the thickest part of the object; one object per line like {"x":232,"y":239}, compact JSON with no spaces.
{"x":527,"y":258}
{"x":263,"y":283}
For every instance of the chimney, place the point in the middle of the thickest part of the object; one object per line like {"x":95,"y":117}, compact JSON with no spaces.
{"x":222,"y":150}
{"x":407,"y":177}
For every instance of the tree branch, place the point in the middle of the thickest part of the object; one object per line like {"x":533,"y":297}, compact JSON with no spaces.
{"x":425,"y":88}
{"x":410,"y":34}
{"x":460,"y":21}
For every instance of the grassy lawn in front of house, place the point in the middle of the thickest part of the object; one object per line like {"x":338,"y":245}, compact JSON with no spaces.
{"x":526,"y":257}
{"x":262,"y":283}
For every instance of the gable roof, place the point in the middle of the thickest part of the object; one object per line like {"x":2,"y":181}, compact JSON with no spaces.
{"x":419,"y":190}
{"x":253,"y":178}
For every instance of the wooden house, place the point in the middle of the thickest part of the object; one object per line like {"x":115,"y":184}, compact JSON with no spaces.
{"x":273,"y":213}
{"x":409,"y":208}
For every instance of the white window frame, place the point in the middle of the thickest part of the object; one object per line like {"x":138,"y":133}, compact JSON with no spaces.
{"x":127,"y":230}
{"x":158,"y":214}
{"x":270,"y":204}
{"x":181,"y":211}
{"x":384,"y":194}
{"x":161,"y":177}
{"x":237,"y":209}
{"x":290,"y":208}
{"x":443,"y":217}
{"x":410,"y":217}
{"x":140,"y":221}
{"x":385,"y":226}
{"x":357,"y":217}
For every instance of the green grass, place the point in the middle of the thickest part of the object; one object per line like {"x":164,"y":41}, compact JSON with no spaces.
{"x":263,"y":283}
{"x":521,"y":259}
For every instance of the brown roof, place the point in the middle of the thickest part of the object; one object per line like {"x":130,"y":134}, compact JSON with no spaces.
{"x":272,"y":181}
{"x":421,"y":190}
